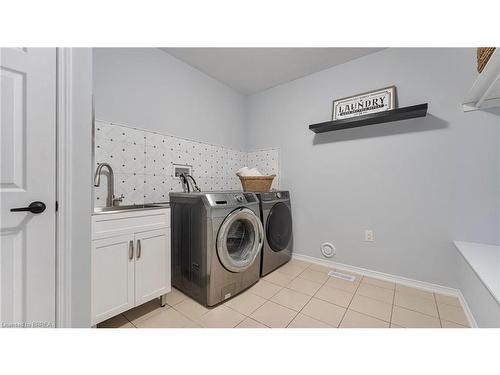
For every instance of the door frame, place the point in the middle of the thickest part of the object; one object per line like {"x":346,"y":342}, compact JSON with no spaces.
{"x":63,"y":187}
{"x":73,"y":186}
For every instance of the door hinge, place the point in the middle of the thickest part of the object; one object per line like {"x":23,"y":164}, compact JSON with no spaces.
{"x":57,"y":206}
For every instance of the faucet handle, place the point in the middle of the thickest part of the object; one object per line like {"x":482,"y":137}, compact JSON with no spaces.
{"x":117,"y":201}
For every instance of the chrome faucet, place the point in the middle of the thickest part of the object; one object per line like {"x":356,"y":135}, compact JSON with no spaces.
{"x":111,"y":201}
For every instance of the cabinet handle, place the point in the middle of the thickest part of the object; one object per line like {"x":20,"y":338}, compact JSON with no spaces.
{"x":139,"y":252}
{"x":131,"y":250}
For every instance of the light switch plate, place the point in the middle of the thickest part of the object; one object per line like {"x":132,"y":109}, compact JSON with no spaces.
{"x":369,"y":236}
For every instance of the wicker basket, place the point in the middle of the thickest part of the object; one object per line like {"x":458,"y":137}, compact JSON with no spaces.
{"x":257,"y":183}
{"x":483,"y":55}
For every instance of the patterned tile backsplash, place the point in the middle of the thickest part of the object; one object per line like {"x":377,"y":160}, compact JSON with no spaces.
{"x":143,"y":163}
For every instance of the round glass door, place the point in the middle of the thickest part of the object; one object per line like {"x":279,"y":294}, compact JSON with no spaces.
{"x":239,"y":240}
{"x":279,"y":227}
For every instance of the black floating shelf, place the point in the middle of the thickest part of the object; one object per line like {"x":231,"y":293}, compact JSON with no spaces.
{"x":404,"y":113}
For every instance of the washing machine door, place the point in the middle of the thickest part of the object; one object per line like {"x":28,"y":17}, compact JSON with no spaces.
{"x":279,"y":227}
{"x":239,"y":240}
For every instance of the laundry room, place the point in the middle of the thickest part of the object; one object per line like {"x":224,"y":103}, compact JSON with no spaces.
{"x":313,"y":199}
{"x":275,"y":188}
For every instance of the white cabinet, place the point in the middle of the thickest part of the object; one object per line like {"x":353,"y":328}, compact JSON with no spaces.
{"x":130,"y":260}
{"x":112,"y":277}
{"x":152,"y":265}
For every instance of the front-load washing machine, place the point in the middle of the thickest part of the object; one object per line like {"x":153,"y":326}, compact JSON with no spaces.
{"x":216,"y":242}
{"x":276,"y":214}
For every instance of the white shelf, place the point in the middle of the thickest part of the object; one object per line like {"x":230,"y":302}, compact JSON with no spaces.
{"x":485,"y":261}
{"x":485,"y":93}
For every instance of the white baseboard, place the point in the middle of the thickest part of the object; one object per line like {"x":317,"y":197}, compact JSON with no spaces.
{"x":430,"y":287}
{"x":467,"y":310}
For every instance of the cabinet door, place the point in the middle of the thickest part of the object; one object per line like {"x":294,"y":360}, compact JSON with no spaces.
{"x":152,"y":264}
{"x":112,"y":276}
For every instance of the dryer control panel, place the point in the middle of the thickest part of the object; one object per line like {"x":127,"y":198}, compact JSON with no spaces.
{"x":274,"y":195}
{"x":230,"y":199}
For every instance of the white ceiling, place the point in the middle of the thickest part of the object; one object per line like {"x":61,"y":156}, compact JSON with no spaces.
{"x":250,"y":70}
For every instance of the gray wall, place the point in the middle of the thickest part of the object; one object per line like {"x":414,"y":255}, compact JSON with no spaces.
{"x":148,"y":88}
{"x":419,"y":184}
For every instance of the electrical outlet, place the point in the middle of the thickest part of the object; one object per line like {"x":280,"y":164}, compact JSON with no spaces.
{"x":369,"y":237}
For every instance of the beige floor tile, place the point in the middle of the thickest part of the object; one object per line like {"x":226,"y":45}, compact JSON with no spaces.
{"x":192,"y":309}
{"x":447,"y":324}
{"x":380,"y":283}
{"x":250,"y":323}
{"x":447,"y":300}
{"x":245,"y":303}
{"x":372,"y":307}
{"x":221,"y":317}
{"x":118,"y":321}
{"x":412,"y":319}
{"x":304,"y":321}
{"x":273,"y":315}
{"x":348,"y":286}
{"x":291,"y":269}
{"x":416,"y":303}
{"x":265,"y":289}
{"x":320,"y":268}
{"x":299,"y":263}
{"x":395,"y":326}
{"x":170,"y":318}
{"x":324,"y":311}
{"x":279,"y":278}
{"x":452,"y":314}
{"x":376,"y":292}
{"x":304,"y":286}
{"x":175,"y":296}
{"x":316,"y":276}
{"x":336,"y":296}
{"x":145,"y":311}
{"x":291,"y":299}
{"x":353,"y":319}
{"x":415,"y":291}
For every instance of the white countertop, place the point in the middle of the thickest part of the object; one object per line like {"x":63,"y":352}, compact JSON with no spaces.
{"x":485,"y":261}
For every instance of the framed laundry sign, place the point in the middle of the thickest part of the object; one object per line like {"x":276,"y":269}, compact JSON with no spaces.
{"x":363,"y":104}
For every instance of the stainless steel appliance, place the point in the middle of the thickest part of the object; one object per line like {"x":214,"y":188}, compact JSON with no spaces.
{"x":276,"y":214}
{"x":216,"y":243}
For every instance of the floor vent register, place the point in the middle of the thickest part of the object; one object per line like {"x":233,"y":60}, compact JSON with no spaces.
{"x":343,"y":276}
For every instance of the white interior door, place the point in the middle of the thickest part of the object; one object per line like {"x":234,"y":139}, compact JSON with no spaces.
{"x":28,"y":162}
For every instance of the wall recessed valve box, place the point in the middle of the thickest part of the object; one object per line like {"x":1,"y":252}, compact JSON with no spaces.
{"x":182,"y":169}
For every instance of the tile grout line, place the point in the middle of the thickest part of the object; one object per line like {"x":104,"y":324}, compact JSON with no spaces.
{"x":128,"y":320}
{"x":350,"y":302}
{"x":285,"y":287}
{"x":393,"y":304}
{"x":437,"y":309}
{"x":420,"y":312}
{"x":309,"y":300}
{"x":346,"y":308}
{"x":324,"y":283}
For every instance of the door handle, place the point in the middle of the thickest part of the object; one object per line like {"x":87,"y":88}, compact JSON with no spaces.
{"x":139,"y":249}
{"x":34,"y":207}
{"x":131,"y":250}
